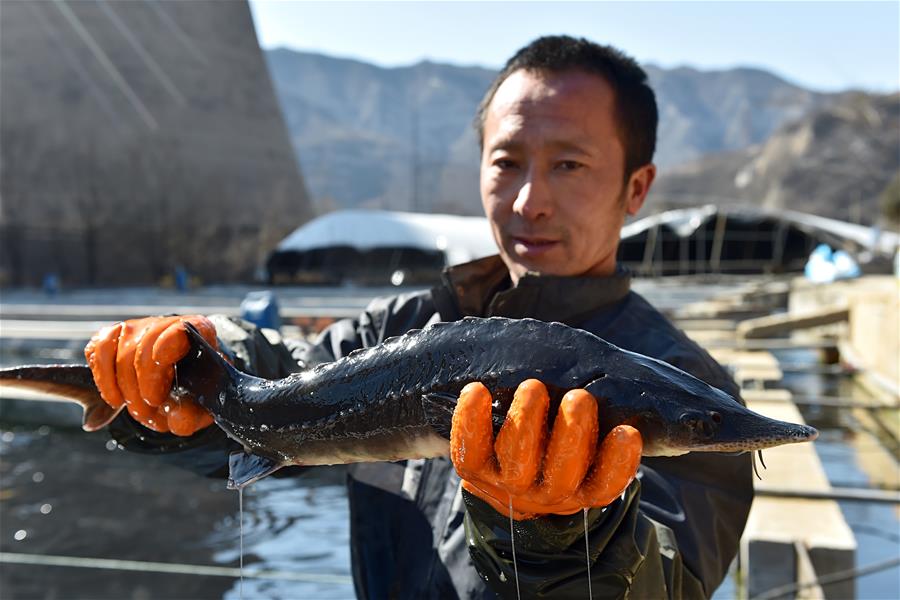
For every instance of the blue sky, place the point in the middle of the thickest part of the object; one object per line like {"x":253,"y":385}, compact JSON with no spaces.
{"x":825,"y":46}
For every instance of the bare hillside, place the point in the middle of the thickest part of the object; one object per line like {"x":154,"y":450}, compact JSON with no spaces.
{"x":835,"y":162}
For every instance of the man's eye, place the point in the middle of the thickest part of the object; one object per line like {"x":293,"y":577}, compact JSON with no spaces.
{"x":505,"y":163}
{"x":569,"y":165}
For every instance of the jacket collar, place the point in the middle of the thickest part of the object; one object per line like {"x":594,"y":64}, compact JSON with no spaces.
{"x":483,"y":288}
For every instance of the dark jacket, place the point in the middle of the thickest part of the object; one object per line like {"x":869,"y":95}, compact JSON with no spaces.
{"x":415,"y":534}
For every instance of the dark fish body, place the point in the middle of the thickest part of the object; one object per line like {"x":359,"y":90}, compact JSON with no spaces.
{"x":395,"y":400}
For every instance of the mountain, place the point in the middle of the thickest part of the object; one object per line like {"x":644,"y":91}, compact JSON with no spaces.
{"x":402,"y":138}
{"x":706,"y":112}
{"x":834,"y":161}
{"x":367,"y":136}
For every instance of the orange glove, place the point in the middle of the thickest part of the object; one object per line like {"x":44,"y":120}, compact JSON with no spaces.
{"x":133,"y":363}
{"x":540,"y":477}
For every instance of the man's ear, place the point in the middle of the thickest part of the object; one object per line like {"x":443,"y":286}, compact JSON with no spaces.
{"x":638,"y":186}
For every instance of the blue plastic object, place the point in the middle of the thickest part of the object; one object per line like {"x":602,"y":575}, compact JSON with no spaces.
{"x":844,"y":265}
{"x":261,"y":309}
{"x":825,"y":265}
{"x":819,"y":268}
{"x":182,"y":280}
{"x":50,"y":284}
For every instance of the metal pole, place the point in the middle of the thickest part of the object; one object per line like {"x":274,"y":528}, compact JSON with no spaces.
{"x":843,"y":494}
{"x":718,"y":241}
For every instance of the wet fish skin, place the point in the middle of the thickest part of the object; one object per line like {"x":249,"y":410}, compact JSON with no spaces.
{"x":389,"y":402}
{"x":395,"y":400}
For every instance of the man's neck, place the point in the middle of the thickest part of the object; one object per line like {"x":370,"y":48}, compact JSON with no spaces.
{"x":604,"y":271}
{"x":484,"y":288}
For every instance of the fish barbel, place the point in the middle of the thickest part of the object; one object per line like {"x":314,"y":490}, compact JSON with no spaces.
{"x":395,"y":400}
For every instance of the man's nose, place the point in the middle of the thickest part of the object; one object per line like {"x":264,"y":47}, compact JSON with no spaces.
{"x":534,"y":200}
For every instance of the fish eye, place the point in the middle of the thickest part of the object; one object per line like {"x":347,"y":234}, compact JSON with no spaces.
{"x":698,"y":423}
{"x":716,"y":417}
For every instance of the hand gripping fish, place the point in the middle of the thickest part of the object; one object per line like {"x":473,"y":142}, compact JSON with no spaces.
{"x":395,"y":400}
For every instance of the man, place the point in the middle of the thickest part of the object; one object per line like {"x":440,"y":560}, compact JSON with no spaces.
{"x":567,"y":133}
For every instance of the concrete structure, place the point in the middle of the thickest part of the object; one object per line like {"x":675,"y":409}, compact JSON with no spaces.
{"x":871,"y":335}
{"x":138,"y":137}
{"x":796,"y":532}
{"x":783,"y":533}
{"x":750,"y":368}
{"x":773,"y":325}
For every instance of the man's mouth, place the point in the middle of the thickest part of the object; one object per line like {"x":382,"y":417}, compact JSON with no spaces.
{"x":533,"y":246}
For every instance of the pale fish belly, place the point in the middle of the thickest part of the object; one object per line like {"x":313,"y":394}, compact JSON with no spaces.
{"x":397,"y":444}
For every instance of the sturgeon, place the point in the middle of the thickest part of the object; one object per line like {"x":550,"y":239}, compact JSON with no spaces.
{"x":395,"y":400}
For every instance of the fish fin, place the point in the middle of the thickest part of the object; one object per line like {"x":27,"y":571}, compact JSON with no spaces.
{"x":244,"y":468}
{"x":70,"y":382}
{"x":98,"y":415}
{"x":438,"y":407}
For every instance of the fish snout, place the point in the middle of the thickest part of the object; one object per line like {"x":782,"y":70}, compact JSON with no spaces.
{"x":805,"y":433}
{"x":703,"y":425}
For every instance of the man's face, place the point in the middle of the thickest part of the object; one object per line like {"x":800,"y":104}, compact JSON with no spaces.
{"x":552,"y":174}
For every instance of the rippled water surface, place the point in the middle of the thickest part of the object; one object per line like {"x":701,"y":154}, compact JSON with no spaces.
{"x":66,"y":493}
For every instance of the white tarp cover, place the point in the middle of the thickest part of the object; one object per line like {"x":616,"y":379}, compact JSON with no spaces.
{"x":685,"y":221}
{"x":460,"y":238}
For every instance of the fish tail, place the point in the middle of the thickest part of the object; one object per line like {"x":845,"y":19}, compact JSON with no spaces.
{"x":206,"y":375}
{"x":70,"y":382}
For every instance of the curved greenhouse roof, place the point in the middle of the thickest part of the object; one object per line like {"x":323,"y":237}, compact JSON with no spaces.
{"x":684,"y":222}
{"x":461,"y":239}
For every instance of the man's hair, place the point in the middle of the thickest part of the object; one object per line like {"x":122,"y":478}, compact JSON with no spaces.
{"x":635,"y":102}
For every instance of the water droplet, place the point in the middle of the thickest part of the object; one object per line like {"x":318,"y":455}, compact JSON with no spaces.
{"x":37,"y":477}
{"x":20,"y":535}
{"x":512,"y":542}
{"x":43,"y":430}
{"x":45,"y":509}
{"x":241,"y":515}
{"x":503,"y":577}
{"x":111,"y":445}
{"x":263,"y":427}
{"x":8,"y":436}
{"x":587,"y":552}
